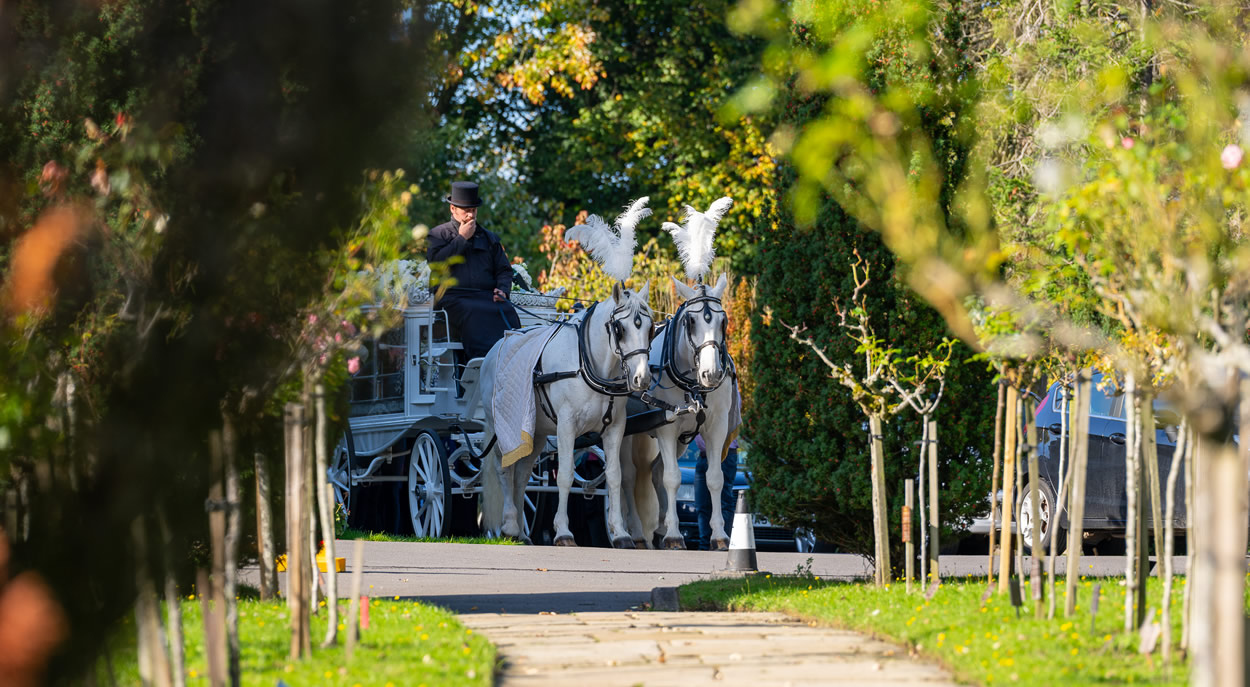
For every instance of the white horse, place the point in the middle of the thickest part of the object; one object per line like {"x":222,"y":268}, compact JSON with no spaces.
{"x":588,"y":367}
{"x":695,"y":362}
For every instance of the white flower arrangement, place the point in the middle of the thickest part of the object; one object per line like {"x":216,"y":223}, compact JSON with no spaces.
{"x":522,"y":270}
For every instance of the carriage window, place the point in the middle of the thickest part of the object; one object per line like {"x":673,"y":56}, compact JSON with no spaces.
{"x":379,"y":385}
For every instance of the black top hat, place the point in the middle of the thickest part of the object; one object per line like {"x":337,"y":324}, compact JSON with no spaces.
{"x":464,"y":195}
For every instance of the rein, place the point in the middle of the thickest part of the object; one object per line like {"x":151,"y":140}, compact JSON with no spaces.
{"x":668,"y":356}
{"x":609,"y":387}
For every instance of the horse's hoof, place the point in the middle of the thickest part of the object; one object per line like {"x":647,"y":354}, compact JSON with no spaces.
{"x":640,"y":543}
{"x":623,"y":543}
{"x":675,"y":543}
{"x":720,"y":544}
{"x":565,"y":541}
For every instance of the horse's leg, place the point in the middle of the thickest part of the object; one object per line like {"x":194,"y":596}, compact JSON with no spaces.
{"x":645,"y":515}
{"x":667,"y":436}
{"x":629,"y":506}
{"x":520,"y":484}
{"x":715,"y":432}
{"x":617,"y":532}
{"x":565,"y":436}
{"x":511,"y":526}
{"x":656,"y":523}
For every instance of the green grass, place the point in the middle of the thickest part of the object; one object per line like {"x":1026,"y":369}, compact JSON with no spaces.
{"x":407,"y":644}
{"x":980,"y":643}
{"x":351,"y":533}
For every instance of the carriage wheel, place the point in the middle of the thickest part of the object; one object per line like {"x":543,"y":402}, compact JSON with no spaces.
{"x":339,"y":477}
{"x":429,"y":486}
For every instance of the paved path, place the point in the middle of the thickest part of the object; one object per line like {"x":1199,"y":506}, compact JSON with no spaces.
{"x":528,"y":579}
{"x":691,"y":649}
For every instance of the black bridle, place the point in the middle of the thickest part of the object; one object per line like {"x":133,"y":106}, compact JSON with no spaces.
{"x":706,"y":306}
{"x":614,"y":329}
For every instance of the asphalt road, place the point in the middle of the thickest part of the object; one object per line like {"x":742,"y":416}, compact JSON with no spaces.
{"x":484,"y":578}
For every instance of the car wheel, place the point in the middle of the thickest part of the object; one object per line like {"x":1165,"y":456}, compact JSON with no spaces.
{"x":1049,"y":524}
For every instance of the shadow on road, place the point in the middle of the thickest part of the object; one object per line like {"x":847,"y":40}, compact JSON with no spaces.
{"x":537,"y":602}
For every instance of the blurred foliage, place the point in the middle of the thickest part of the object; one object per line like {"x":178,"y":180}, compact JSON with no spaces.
{"x":813,"y":435}
{"x":174,"y":203}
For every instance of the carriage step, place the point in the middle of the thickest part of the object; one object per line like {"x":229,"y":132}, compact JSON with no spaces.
{"x":425,"y":399}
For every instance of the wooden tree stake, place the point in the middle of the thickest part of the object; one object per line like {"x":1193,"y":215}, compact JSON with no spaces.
{"x":909,"y":486}
{"x":1009,"y":473}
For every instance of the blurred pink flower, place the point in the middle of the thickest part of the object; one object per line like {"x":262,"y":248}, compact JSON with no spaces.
{"x":1126,"y":143}
{"x":100,"y":180}
{"x":353,"y":365}
{"x":351,"y":328}
{"x":312,"y":319}
{"x":1231,"y":156}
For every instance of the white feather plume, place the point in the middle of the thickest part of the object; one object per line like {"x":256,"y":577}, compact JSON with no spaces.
{"x":695,"y":237}
{"x":612,"y":247}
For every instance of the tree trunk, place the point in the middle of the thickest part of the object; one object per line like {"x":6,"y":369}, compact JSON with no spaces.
{"x":153,"y":663}
{"x":1218,"y":624}
{"x":1076,"y":507}
{"x":1021,"y":458}
{"x":998,"y":456}
{"x":935,"y":548}
{"x":1193,"y":564}
{"x":173,"y":604}
{"x":296,"y":532}
{"x":310,"y":496}
{"x":264,"y":529}
{"x":1169,"y":537}
{"x":879,"y":514}
{"x":1132,"y":469}
{"x":214,"y":650}
{"x":1036,"y":552}
{"x":217,"y":543}
{"x":234,"y":527}
{"x":326,"y":504}
{"x":1009,"y":473}
{"x":1060,"y":497}
{"x":353,"y":608}
{"x":924,"y":520}
{"x":1148,"y":495}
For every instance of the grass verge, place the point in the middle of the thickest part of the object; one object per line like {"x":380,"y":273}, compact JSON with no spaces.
{"x":981,"y":643}
{"x":407,"y":644}
{"x":351,"y":533}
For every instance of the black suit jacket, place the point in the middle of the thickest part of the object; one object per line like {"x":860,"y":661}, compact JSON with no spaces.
{"x":485,"y":265}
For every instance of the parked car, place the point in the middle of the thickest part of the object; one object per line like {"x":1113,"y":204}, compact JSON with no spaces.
{"x":1106,"y":503}
{"x":767,"y":535}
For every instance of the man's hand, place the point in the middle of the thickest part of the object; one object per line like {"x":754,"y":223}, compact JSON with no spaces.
{"x":467,"y":228}
{"x":500,"y":296}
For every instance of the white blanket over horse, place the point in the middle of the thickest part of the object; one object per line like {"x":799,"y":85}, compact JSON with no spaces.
{"x":513,"y":402}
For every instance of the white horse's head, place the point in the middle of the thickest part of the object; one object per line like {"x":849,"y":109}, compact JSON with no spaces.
{"x":629,"y":331}
{"x":702,"y":327}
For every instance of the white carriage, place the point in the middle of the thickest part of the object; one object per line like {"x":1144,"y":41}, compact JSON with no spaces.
{"x":411,"y":453}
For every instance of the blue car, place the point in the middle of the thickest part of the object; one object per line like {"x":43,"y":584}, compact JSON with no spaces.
{"x":767,"y":535}
{"x":1106,"y":503}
